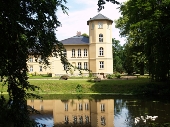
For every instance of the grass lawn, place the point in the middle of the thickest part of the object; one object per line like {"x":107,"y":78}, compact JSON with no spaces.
{"x":117,"y":86}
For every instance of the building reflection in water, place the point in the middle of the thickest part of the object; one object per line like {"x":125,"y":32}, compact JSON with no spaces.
{"x":74,"y":112}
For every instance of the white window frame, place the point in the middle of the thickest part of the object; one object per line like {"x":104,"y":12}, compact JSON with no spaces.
{"x":40,"y":68}
{"x":100,"y":37}
{"x":31,"y":59}
{"x":73,"y":52}
{"x":65,"y":52}
{"x":80,"y":107}
{"x":100,"y":25}
{"x":85,"y":65}
{"x":102,"y":107}
{"x":66,"y":106}
{"x":86,"y":106}
{"x":85,"y":52}
{"x":79,"y":65}
{"x":101,"y":51}
{"x":92,"y":25}
{"x":31,"y":69}
{"x":101,"y":64}
{"x":79,"y":52}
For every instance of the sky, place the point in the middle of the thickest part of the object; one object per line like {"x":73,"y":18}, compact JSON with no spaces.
{"x":80,"y":11}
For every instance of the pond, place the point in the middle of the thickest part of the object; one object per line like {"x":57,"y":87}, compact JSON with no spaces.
{"x":108,"y":111}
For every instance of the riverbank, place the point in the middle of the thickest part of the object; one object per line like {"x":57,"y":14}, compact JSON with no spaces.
{"x":137,"y":86}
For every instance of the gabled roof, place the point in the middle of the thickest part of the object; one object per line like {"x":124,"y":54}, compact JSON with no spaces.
{"x":76,"y":40}
{"x":99,"y":17}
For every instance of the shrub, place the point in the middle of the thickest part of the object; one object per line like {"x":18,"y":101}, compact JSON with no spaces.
{"x":109,"y":76}
{"x":117,"y":75}
{"x":64,"y":77}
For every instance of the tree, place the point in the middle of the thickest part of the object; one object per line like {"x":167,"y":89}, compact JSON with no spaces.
{"x":85,"y":35}
{"x":146,"y":25}
{"x":26,"y":27}
{"x":118,"y":56}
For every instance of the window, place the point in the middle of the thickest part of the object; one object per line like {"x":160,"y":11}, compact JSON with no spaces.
{"x":100,"y":37}
{"x":31,"y":59}
{"x":66,"y":106}
{"x":65,"y":67}
{"x":80,"y":107}
{"x":92,"y":25}
{"x":73,"y":52}
{"x":81,"y":119}
{"x":87,"y":119}
{"x":66,"y":120}
{"x":103,"y":121}
{"x":85,"y":52}
{"x":107,"y":25}
{"x":31,"y":68}
{"x":40,"y":68}
{"x":39,"y":59}
{"x":101,"y":64}
{"x":101,"y":51}
{"x":100,"y":25}
{"x":86,"y":106}
{"x":65,"y":52}
{"x":102,"y":107}
{"x":85,"y":65}
{"x":79,"y":65}
{"x":79,"y":52}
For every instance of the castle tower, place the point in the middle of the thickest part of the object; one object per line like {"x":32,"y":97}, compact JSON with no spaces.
{"x":100,"y":45}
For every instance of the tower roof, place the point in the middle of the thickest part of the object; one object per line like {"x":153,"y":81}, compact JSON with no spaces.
{"x":99,"y":17}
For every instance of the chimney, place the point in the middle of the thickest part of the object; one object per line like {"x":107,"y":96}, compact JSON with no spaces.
{"x":78,"y":33}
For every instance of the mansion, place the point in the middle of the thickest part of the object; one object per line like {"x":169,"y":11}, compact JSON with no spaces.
{"x":93,"y":53}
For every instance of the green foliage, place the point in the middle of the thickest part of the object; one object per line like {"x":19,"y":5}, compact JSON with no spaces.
{"x":118,"y":56}
{"x":27,"y":28}
{"x":85,"y":35}
{"x":109,"y":76}
{"x":146,"y":26}
{"x":79,"y":88}
{"x":117,"y":75}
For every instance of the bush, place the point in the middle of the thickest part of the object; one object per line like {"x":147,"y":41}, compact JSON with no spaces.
{"x":117,"y":75}
{"x":64,"y":77}
{"x":109,"y":76}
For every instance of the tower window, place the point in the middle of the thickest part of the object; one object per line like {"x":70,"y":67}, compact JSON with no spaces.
{"x":101,"y":64}
{"x":73,"y":52}
{"x":100,"y":37}
{"x":100,"y":25}
{"x":101,"y":51}
{"x":92,"y":25}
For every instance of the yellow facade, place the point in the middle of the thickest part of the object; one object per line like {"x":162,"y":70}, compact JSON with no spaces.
{"x":86,"y":113}
{"x":96,"y":55}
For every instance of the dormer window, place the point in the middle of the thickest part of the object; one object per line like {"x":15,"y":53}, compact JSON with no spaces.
{"x":100,"y":25}
{"x":100,"y":37}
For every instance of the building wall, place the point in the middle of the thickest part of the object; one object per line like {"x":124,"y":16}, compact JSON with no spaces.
{"x":95,"y":110}
{"x":93,"y":57}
